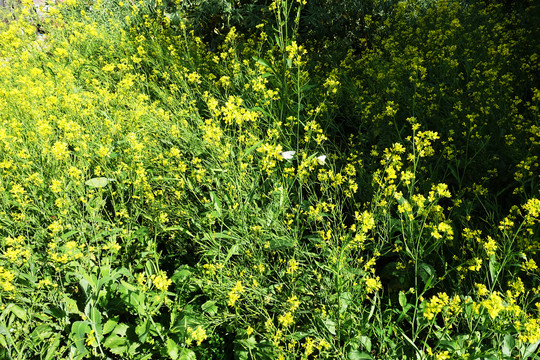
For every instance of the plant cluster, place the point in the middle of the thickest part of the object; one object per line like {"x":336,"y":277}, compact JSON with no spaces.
{"x":165,"y":194}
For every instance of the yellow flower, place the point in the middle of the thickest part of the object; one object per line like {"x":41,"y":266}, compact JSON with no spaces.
{"x":529,"y":265}
{"x":160,"y":281}
{"x":6,"y":279}
{"x":490,"y":246}
{"x":234,"y":294}
{"x":481,"y":289}
{"x":373,"y":284}
{"x":493,"y":304}
{"x":292,"y":266}
{"x":286,"y":319}
{"x":532,"y":207}
{"x":56,"y":186}
{"x":444,"y":355}
{"x":198,"y":335}
{"x":294,"y":302}
{"x":60,"y":151}
{"x":90,"y":338}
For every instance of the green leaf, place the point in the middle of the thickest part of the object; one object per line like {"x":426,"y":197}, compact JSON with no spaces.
{"x":281,"y":243}
{"x":172,"y":349}
{"x":307,"y":87}
{"x":366,"y":342}
{"x":251,"y":149}
{"x":330,"y":326}
{"x":344,"y":301}
{"x":52,"y":347}
{"x":181,"y":275}
{"x":210,"y":307}
{"x":216,"y":202}
{"x":17,"y":310}
{"x":508,"y":345}
{"x":95,"y":316}
{"x":357,"y":355}
{"x":143,"y":330}
{"x":3,"y":341}
{"x":178,"y":228}
{"x":494,"y":267}
{"x":530,"y":350}
{"x":70,"y":305}
{"x":79,"y":329}
{"x":426,"y":273}
{"x":186,"y":354}
{"x":41,"y":332}
{"x":250,"y":343}
{"x":118,"y":343}
{"x":264,"y":63}
{"x":110,"y":325}
{"x":402,"y":299}
{"x":99,"y":182}
{"x":451,"y":345}
{"x":232,"y":251}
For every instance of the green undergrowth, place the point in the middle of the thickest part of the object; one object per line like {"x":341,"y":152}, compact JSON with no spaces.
{"x":269,"y":190}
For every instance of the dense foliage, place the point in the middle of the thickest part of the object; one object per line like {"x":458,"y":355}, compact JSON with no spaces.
{"x":270,"y":180}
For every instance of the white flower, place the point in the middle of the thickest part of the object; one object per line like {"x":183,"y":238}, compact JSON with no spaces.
{"x":321,"y":159}
{"x":287,"y":155}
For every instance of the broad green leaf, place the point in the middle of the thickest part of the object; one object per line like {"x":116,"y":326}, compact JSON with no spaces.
{"x":232,"y":251}
{"x":71,"y":305}
{"x":426,"y":273}
{"x":299,"y":335}
{"x":263,"y":63}
{"x":110,"y":325}
{"x":181,"y":275}
{"x":402,"y":299}
{"x":41,"y":332}
{"x":52,"y":347}
{"x":449,"y":344}
{"x":178,"y":228}
{"x":249,"y":343}
{"x":344,"y":301}
{"x":105,"y":280}
{"x":530,"y":350}
{"x":508,"y":344}
{"x":172,"y":349}
{"x":3,"y":341}
{"x":494,"y":267}
{"x":98,"y":182}
{"x":143,"y":330}
{"x":127,"y":286}
{"x":330,"y":326}
{"x":95,"y":316}
{"x":79,"y":329}
{"x":357,"y":355}
{"x":281,"y":243}
{"x":216,"y":202}
{"x":69,"y":234}
{"x":17,"y":310}
{"x":186,"y":354}
{"x":118,"y":343}
{"x":210,"y":307}
{"x":307,"y":87}
{"x":366,"y":342}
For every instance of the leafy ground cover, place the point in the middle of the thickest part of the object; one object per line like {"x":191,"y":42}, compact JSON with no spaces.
{"x":264,"y":189}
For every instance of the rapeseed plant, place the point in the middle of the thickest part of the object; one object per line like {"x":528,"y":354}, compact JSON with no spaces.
{"x":162,"y":196}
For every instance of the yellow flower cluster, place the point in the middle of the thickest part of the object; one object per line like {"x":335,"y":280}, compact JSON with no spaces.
{"x":198,"y":335}
{"x":235,"y":292}
{"x":160,"y":281}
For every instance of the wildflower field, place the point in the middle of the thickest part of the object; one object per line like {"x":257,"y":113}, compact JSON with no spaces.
{"x":267,"y":179}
